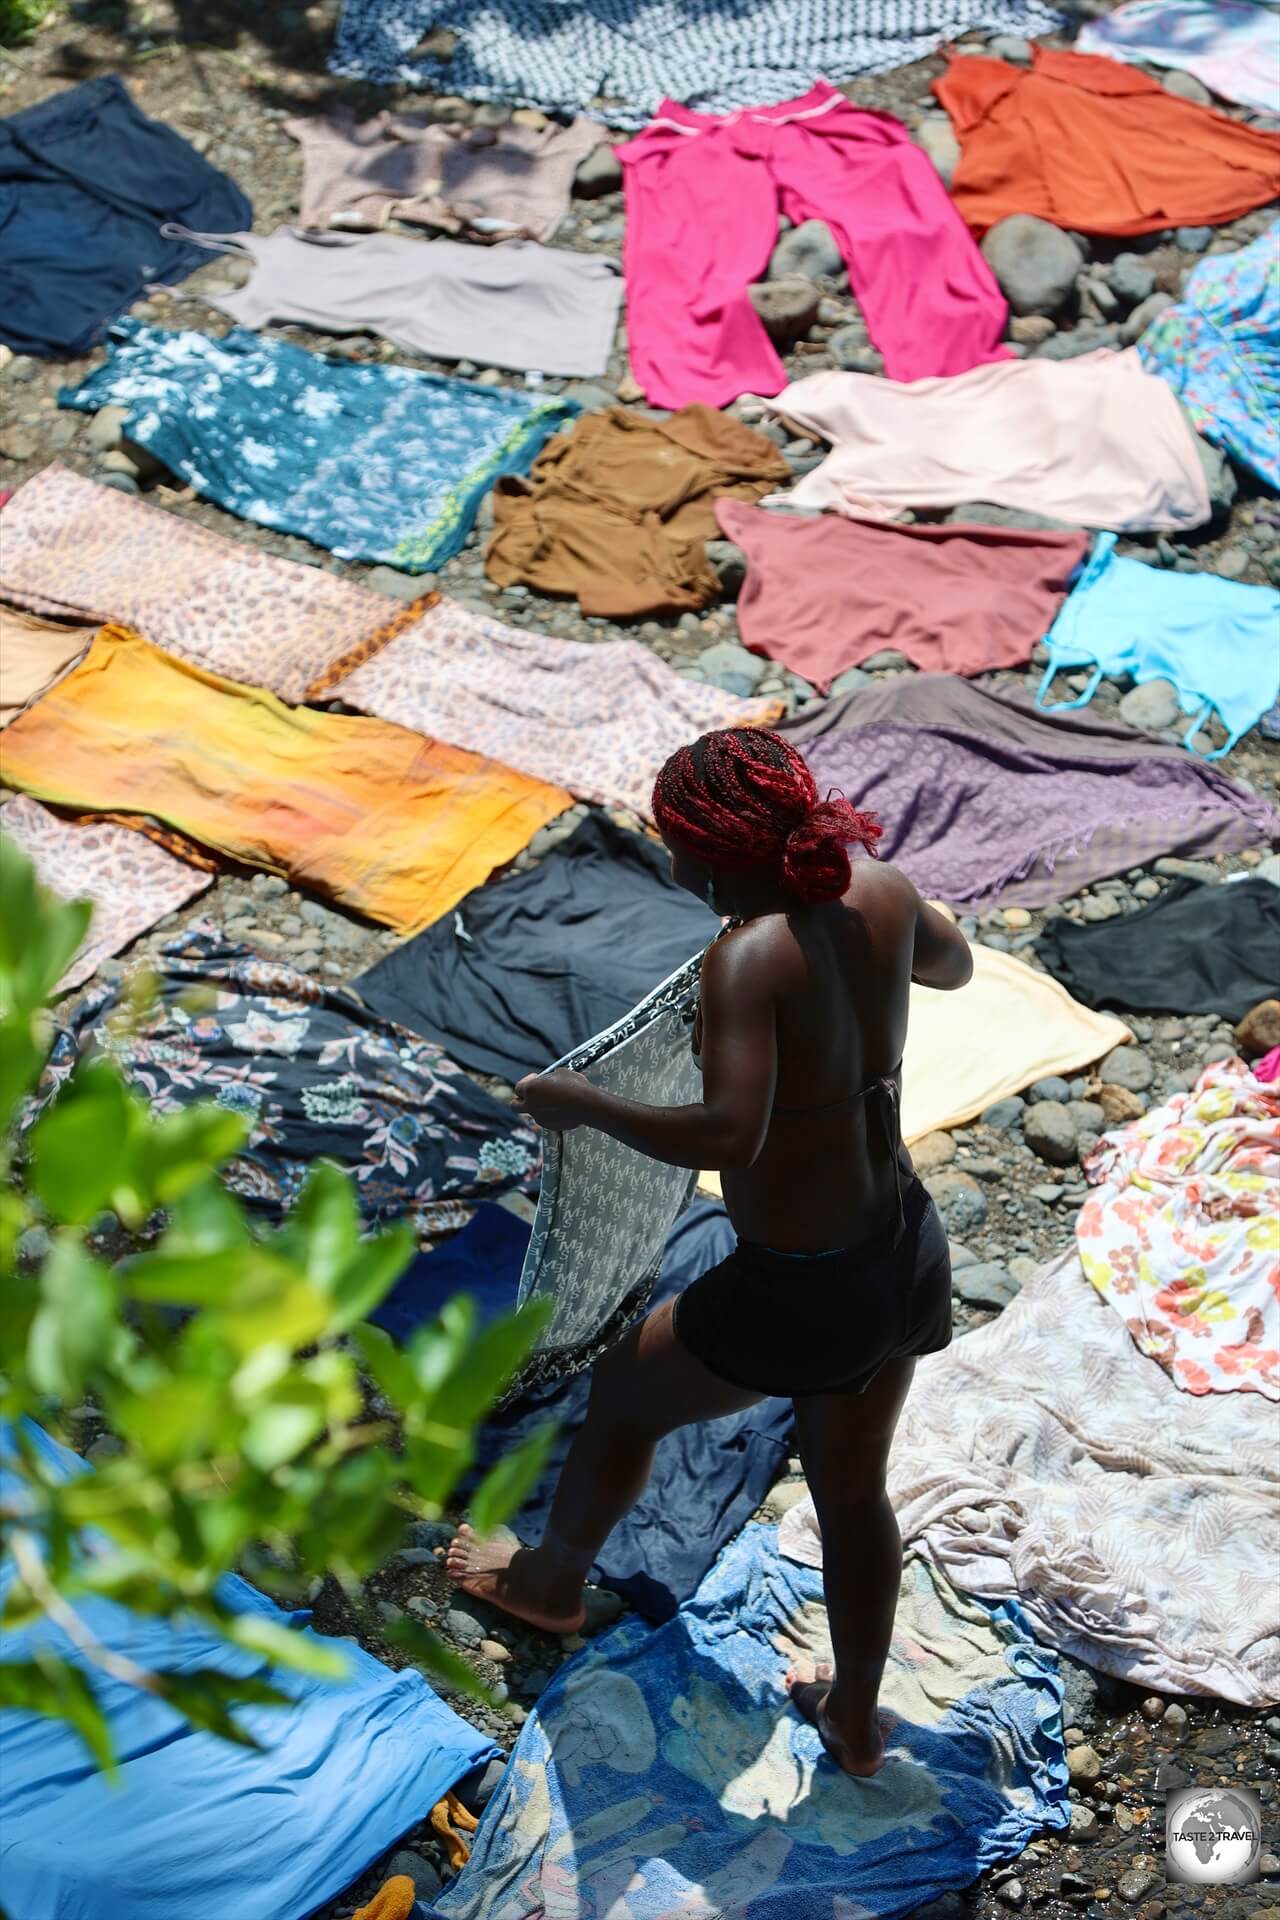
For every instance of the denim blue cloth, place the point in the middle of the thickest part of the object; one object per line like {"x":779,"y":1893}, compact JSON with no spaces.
{"x":196,"y":1827}
{"x":707,"y":1479}
{"x":664,"y":1773}
{"x":1219,"y":349}
{"x":1217,"y":640}
{"x":374,"y":462}
{"x":86,"y":184}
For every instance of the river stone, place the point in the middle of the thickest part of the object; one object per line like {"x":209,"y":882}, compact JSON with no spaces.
{"x":1187,"y":87}
{"x":729,"y":564}
{"x":1050,"y":1132}
{"x":1002,"y":1114}
{"x":398,"y":586}
{"x":1120,"y":1105}
{"x":1130,"y":279}
{"x":1084,"y":1764}
{"x":1087,"y":1116}
{"x":787,"y":308}
{"x":1127,"y":1067}
{"x":1218,"y":476}
{"x":1143,"y":314}
{"x":1052,"y":1087}
{"x":887,"y":660}
{"x":1259,"y":1031}
{"x":853,"y":352}
{"x":808,"y":250}
{"x":1011,"y":47}
{"x":1034,"y":263}
{"x":852,"y":680}
{"x":462,"y":1627}
{"x":960,"y":1201}
{"x":1193,"y":239}
{"x":985,"y":1284}
{"x":936,"y":136}
{"x":1031,"y":329}
{"x":1088,"y":337}
{"x":427,"y":1884}
{"x":735,"y":669}
{"x":933,"y":1152}
{"x":598,"y":172}
{"x":106,"y":427}
{"x":1153,"y":706}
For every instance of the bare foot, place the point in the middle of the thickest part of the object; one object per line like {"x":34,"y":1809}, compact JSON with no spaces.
{"x":512,"y":1578}
{"x":860,"y":1757}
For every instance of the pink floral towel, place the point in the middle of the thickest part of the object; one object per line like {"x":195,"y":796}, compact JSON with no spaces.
{"x":1182,"y":1236}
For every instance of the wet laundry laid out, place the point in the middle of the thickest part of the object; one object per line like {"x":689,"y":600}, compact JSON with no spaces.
{"x":665,"y":1773}
{"x":129,"y":880}
{"x":317,"y":1077}
{"x":596,"y":717}
{"x":1006,"y":1028}
{"x":487,"y":181}
{"x":516,"y":305}
{"x":533,"y":964}
{"x":384,"y":821}
{"x":1196,"y":948}
{"x":618,"y":510}
{"x":1217,"y":641}
{"x":217,"y":602}
{"x":988,"y":801}
{"x":1233,"y":46}
{"x":824,"y":593}
{"x":376,"y":462}
{"x":34,"y":651}
{"x":707,"y":1479}
{"x":1009,"y":434}
{"x":1218,"y":347}
{"x":617,"y":58}
{"x":605,"y":1210}
{"x":703,"y":196}
{"x":1181,"y":1235}
{"x":1099,"y":147}
{"x":87,"y":186}
{"x":195,"y":1825}
{"x":1043,"y":1460}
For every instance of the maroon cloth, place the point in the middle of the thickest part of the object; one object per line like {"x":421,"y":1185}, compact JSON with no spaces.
{"x":822,"y":594}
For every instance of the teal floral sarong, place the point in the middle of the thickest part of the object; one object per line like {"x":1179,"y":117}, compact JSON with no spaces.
{"x":374,"y":462}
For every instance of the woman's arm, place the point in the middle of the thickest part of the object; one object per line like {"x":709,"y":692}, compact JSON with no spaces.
{"x":727,"y":1127}
{"x":941,"y":957}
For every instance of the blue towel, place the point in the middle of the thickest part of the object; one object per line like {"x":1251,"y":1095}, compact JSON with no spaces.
{"x":707,"y":1479}
{"x":663,"y":1771}
{"x":374,"y":462}
{"x":1217,"y":640}
{"x":198,"y":1829}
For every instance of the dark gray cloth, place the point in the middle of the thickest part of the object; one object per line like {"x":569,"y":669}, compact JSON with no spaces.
{"x":529,"y":967}
{"x":1197,"y":949}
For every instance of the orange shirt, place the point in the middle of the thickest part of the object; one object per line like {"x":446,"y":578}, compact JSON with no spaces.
{"x":1093,"y":145}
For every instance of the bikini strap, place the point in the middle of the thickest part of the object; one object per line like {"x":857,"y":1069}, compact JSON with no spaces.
{"x":890,"y":1105}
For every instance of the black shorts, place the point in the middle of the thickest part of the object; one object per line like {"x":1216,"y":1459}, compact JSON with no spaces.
{"x":796,"y":1324}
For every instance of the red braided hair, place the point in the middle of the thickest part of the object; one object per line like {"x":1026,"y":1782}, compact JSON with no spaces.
{"x":745,"y":798}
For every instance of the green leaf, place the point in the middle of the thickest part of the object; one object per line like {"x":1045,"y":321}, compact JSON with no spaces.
{"x":323,"y":1230}
{"x":184,"y":1146}
{"x":288,"y":1646}
{"x":39,"y":934}
{"x":489,"y":1365}
{"x":54,"y":1687}
{"x":369,"y":1276}
{"x":205,"y":1220}
{"x":280,"y":1431}
{"x":510,"y":1480}
{"x":76,"y":1323}
{"x":389,"y":1368}
{"x":219,"y":1278}
{"x":427,"y":1651}
{"x":80,"y":1144}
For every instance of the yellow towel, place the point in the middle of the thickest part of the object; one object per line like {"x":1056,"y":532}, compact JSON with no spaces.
{"x":390,"y":823}
{"x":394,"y":1900}
{"x":452,"y":1822}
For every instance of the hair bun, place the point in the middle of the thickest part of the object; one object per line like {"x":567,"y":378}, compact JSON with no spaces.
{"x":815,"y":863}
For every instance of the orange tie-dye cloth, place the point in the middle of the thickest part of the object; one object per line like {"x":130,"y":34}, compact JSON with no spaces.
{"x":389,"y":823}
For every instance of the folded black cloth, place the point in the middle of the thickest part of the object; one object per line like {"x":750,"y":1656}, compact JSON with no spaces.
{"x":87,"y":181}
{"x":532,"y":965}
{"x":1198,"y":948}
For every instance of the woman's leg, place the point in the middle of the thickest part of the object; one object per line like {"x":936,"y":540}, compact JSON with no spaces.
{"x":643,"y":1388}
{"x":844,"y":1442}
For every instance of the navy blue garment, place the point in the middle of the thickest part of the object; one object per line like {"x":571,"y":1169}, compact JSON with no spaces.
{"x":707,"y":1479}
{"x":530,"y":966}
{"x":86,"y":183}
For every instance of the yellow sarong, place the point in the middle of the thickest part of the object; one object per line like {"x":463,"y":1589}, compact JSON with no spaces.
{"x":387,"y":822}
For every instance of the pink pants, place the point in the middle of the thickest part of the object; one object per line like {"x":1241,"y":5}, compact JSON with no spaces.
{"x":703,"y":195}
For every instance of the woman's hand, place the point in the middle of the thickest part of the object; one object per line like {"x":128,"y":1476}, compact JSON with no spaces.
{"x":559,"y":1101}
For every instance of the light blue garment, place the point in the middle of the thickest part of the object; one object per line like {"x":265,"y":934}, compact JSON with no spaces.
{"x":197,"y":1829}
{"x":373,"y":462}
{"x":1217,"y":640}
{"x":663,"y":1771}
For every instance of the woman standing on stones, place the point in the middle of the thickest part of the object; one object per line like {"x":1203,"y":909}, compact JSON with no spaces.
{"x":840,"y":1277}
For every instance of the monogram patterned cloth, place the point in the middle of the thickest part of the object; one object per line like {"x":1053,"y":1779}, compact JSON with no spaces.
{"x":1182,"y":1236}
{"x":1043,"y":1459}
{"x":319,"y":1078}
{"x":604,"y":1210}
{"x":374,"y":462}
{"x":131,"y":881}
{"x":218,"y":603}
{"x":598,"y":718}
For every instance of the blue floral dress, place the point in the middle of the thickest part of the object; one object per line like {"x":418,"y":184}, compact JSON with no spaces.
{"x":373,"y":462}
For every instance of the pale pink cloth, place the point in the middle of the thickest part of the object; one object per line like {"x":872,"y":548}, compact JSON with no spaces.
{"x":130,"y":881}
{"x":1095,"y":442}
{"x":596,"y":717}
{"x":703,"y":195}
